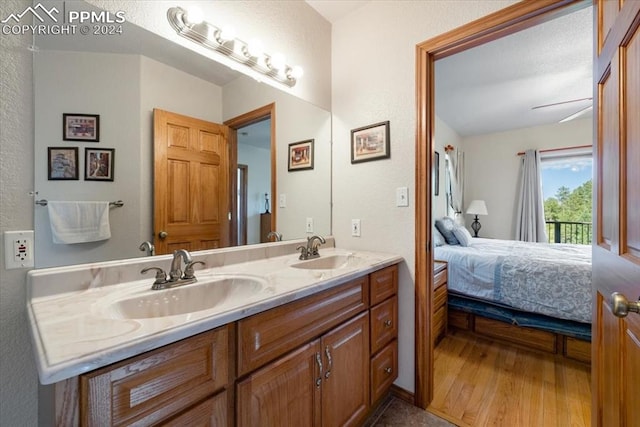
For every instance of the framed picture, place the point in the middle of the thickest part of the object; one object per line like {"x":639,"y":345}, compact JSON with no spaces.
{"x":81,"y":127}
{"x":436,"y":174}
{"x":98,"y":164}
{"x":370,"y":143}
{"x":301,"y":155}
{"x":62,"y":163}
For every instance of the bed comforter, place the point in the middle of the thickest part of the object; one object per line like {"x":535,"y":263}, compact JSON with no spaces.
{"x":550,"y":279}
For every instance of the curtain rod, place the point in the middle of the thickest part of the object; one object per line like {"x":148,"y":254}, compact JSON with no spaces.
{"x":521,"y":153}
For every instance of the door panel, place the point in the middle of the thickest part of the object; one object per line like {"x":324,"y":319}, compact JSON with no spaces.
{"x":616,"y":251}
{"x":191,"y":175}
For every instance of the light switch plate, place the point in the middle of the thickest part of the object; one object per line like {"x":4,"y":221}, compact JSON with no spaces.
{"x":18,"y":249}
{"x":309,"y":226}
{"x":402,"y":196}
{"x":355,"y":227}
{"x":283,"y":201}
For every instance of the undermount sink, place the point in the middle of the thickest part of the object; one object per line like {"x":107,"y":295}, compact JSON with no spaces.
{"x":215,"y":291}
{"x":331,"y":262}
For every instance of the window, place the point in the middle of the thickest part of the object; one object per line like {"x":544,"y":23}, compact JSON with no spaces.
{"x":567,"y":192}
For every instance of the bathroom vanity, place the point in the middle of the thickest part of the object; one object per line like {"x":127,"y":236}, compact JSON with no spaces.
{"x":316,"y":346}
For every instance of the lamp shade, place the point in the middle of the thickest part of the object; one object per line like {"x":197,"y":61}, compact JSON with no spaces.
{"x":477,"y":207}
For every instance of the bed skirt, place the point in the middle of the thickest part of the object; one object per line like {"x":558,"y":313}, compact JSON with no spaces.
{"x":578,"y":330}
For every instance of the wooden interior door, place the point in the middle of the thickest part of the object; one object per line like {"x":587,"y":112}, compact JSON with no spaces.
{"x":191,"y":183}
{"x":616,"y":249}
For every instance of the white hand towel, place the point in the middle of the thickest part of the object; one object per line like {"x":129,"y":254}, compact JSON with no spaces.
{"x":79,"y":222}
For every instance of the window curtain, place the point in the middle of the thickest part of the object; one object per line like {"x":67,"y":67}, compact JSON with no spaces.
{"x":530,"y":223}
{"x":455,"y":169}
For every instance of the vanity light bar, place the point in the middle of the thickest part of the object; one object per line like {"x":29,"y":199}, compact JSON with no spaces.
{"x":212,"y":37}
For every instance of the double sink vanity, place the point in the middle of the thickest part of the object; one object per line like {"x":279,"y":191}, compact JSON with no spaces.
{"x":261,"y":338}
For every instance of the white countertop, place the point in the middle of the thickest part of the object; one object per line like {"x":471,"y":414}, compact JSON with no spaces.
{"x":76,"y":329}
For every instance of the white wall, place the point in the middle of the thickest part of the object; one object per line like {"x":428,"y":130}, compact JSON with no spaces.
{"x":18,"y":375}
{"x":492,"y":168}
{"x":373,"y":52}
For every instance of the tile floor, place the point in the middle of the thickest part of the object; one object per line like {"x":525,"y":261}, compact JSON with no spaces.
{"x":398,"y":413}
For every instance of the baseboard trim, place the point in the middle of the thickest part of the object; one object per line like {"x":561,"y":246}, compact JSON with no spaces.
{"x":403,"y":394}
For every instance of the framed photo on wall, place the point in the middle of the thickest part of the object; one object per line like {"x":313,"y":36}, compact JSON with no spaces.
{"x":80,"y":127}
{"x":301,"y":155}
{"x":62,"y":163}
{"x":98,"y":164}
{"x":370,"y":143}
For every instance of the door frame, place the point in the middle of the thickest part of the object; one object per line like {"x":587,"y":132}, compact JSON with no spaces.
{"x":257,"y":115}
{"x":491,"y":27}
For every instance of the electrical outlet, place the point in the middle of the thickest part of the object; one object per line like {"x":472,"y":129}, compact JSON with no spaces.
{"x":18,"y":249}
{"x":402,"y":196}
{"x":355,"y":227}
{"x":283,"y":201}
{"x":309,"y":226}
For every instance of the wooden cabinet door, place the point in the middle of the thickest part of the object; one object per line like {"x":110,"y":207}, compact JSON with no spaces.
{"x":616,"y":247}
{"x":285,"y":393}
{"x":345,"y":381}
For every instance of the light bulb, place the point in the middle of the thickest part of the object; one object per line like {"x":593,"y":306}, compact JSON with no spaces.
{"x":227,"y":33}
{"x":194,"y":15}
{"x":255,"y":48}
{"x":277,"y":61}
{"x":297,"y":72}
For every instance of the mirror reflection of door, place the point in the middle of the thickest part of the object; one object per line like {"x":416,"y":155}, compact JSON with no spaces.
{"x":191,"y":174}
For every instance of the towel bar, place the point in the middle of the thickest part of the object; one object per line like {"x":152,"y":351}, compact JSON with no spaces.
{"x":116,"y":204}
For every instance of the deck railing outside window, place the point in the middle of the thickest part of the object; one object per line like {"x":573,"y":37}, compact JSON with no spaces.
{"x":569,"y":232}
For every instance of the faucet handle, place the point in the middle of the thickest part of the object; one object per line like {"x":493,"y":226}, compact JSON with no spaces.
{"x":304,"y":254}
{"x":161,"y":276}
{"x":188,"y":270}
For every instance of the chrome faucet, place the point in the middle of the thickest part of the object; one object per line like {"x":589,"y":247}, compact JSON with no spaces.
{"x":148,"y":247}
{"x":311,"y":250}
{"x":176,"y":271}
{"x":275,"y":234}
{"x":176,"y":276}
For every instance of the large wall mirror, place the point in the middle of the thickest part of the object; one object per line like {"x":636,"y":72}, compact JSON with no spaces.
{"x":122,"y":79}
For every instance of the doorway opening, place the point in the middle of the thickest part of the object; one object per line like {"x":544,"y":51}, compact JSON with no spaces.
{"x":504,"y":22}
{"x":257,"y":122}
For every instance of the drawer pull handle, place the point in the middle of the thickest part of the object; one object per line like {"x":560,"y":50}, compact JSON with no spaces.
{"x":329,"y":362}
{"x":388,"y":370}
{"x":388,"y":323}
{"x":319,"y":362}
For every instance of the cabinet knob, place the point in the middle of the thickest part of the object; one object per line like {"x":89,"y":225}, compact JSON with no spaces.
{"x":388,"y":323}
{"x":388,"y":370}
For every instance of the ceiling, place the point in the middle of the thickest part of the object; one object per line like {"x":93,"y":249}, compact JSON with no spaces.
{"x":493,"y":87}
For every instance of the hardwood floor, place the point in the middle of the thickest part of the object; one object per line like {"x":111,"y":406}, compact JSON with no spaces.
{"x":480,"y":382}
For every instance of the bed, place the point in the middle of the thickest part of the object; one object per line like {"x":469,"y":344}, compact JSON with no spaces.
{"x":542,"y":286}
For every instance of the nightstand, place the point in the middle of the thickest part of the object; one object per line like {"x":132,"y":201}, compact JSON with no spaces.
{"x":439,"y":313}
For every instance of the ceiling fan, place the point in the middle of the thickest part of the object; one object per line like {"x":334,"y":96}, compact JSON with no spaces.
{"x":572,"y":116}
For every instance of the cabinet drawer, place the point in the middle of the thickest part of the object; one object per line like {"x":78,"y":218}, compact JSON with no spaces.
{"x":440,"y":297}
{"x":151,"y":387}
{"x":268,"y":335}
{"x":212,"y":412}
{"x":384,"y":370}
{"x":439,"y":323}
{"x":384,"y":323}
{"x":440,"y":279}
{"x":577,"y":349}
{"x":384,"y":283}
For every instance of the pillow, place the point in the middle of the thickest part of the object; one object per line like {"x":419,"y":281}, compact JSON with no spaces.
{"x":445,"y":225}
{"x":438,"y":238}
{"x":463,"y":236}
